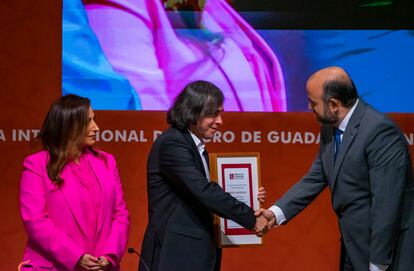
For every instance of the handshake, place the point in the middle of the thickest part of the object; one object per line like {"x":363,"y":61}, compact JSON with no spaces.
{"x":265,"y":220}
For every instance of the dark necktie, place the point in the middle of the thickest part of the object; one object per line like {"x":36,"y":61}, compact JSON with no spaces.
{"x":205,"y":154}
{"x":337,"y":134}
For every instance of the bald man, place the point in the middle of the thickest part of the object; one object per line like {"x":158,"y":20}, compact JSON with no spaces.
{"x":365,"y":161}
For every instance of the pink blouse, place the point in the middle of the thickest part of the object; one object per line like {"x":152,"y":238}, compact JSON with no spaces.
{"x":90,"y":196}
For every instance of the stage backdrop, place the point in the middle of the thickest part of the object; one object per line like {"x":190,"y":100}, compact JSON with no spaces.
{"x":30,"y":53}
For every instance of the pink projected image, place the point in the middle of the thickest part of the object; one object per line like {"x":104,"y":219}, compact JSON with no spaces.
{"x":160,"y":46}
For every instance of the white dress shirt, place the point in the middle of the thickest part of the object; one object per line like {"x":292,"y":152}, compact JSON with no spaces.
{"x":201,"y":147}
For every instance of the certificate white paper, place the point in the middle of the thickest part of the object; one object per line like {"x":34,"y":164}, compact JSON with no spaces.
{"x":237,"y":174}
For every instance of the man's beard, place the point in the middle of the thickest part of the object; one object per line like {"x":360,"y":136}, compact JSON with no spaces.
{"x":328,"y":117}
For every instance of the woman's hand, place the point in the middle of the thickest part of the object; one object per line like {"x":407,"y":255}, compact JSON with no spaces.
{"x":89,"y":262}
{"x":261,"y":195}
{"x":104,"y":263}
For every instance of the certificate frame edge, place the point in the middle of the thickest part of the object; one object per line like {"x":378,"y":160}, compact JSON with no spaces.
{"x":214,"y":178}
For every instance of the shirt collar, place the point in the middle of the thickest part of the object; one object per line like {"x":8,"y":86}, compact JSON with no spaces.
{"x":199,"y":143}
{"x":345,"y":121}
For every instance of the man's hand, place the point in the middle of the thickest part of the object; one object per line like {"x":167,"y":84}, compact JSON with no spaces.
{"x":269,"y":215}
{"x":261,"y":195}
{"x":261,"y":226}
{"x":104,"y":263}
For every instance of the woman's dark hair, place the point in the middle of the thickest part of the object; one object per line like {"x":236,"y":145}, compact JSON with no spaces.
{"x":198,"y":99}
{"x":62,"y":132}
{"x":342,"y":90}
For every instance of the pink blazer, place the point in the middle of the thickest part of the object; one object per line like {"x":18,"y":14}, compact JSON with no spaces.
{"x":52,"y":215}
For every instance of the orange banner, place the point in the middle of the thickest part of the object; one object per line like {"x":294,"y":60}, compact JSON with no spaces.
{"x":287,"y":143}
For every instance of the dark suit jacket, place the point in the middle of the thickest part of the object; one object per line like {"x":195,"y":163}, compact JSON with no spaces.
{"x":181,"y":203}
{"x":372,"y":190}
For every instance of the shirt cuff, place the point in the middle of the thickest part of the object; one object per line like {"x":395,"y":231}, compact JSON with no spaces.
{"x":377,"y":267}
{"x":278,"y":213}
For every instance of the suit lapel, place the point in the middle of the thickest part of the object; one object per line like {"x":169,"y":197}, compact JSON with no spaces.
{"x":328,"y":156}
{"x":199,"y":162}
{"x":348,"y":137}
{"x":206,"y":157}
{"x":98,"y":166}
{"x":70,"y":189}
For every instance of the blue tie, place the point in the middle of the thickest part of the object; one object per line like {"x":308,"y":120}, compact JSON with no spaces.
{"x":337,"y":133}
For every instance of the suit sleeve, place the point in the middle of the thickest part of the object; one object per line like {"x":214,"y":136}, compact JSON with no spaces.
{"x":177,"y":161}
{"x":40,"y":229}
{"x":299,"y":196}
{"x":388,"y":160}
{"x":116,"y":243}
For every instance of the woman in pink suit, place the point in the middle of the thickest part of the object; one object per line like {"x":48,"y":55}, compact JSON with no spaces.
{"x":71,"y":198}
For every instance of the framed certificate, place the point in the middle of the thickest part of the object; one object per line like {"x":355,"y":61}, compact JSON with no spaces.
{"x":239,"y":175}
